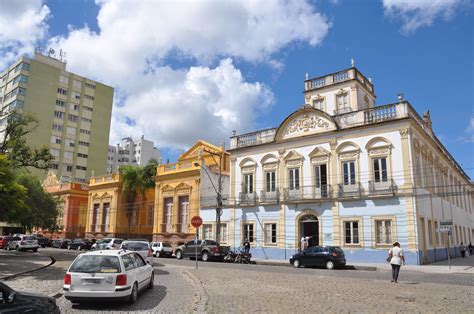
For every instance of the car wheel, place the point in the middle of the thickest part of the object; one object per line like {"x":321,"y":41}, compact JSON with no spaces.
{"x":69,"y":247}
{"x":35,"y":250}
{"x":296,"y":263}
{"x":9,"y":248}
{"x":158,"y":254}
{"x":205,"y":256}
{"x":330,"y":265}
{"x":79,"y":248}
{"x":152,"y":281}
{"x":18,"y":248}
{"x":179,"y":254}
{"x":134,"y":294}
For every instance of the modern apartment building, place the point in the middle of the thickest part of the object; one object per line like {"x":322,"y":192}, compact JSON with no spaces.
{"x":131,"y":152}
{"x":73,"y":112}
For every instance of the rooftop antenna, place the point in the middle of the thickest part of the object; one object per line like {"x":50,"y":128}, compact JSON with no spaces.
{"x":352,"y":62}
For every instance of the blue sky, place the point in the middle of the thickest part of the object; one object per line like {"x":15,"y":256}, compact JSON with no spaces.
{"x":189,"y":77}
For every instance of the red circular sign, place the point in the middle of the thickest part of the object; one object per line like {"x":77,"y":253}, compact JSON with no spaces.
{"x":196,"y":221}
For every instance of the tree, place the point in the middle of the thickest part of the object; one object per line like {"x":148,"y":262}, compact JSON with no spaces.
{"x":136,"y":180}
{"x":12,"y":194}
{"x":14,"y":146}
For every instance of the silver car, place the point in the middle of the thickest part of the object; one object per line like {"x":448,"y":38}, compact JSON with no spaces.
{"x":23,"y":243}
{"x":107,"y":244}
{"x":141,"y":247}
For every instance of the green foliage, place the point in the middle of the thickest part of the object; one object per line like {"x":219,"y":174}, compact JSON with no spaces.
{"x":14,"y":146}
{"x":12,"y":194}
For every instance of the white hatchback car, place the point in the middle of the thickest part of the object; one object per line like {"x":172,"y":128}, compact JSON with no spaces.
{"x":107,"y":275}
{"x":161,"y":249}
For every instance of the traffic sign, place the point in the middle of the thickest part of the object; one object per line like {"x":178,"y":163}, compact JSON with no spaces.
{"x":196,"y":221}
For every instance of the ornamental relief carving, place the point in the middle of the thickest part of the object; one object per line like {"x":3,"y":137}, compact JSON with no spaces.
{"x":319,"y":159}
{"x":349,"y":155}
{"x":292,"y":163}
{"x":183,"y":191}
{"x":270,"y":166}
{"x":404,"y":133}
{"x":248,"y":169}
{"x":168,"y":193}
{"x":305,"y":124}
{"x":382,"y":151}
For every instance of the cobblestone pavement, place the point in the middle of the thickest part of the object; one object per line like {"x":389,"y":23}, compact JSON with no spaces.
{"x":223,"y":288}
{"x":16,"y":262}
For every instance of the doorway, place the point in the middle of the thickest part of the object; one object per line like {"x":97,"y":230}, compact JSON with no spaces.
{"x":309,"y":227}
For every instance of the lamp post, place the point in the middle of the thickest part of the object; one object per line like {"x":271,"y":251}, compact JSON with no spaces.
{"x":218,"y":189}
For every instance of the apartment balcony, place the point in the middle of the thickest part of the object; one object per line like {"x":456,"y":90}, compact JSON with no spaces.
{"x":382,"y":187}
{"x":247,"y":199}
{"x":181,"y":228}
{"x":166,"y":228}
{"x":350,"y":190}
{"x":269,"y":197}
{"x":308,"y":193}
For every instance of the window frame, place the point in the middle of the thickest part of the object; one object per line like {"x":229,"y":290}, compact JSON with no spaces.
{"x":265,"y":238}
{"x":252,"y":240}
{"x":393,"y":231}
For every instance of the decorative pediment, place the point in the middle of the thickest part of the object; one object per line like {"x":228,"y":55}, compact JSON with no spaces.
{"x":348,"y":150}
{"x":270,"y":158}
{"x":51,"y":180}
{"x":304,"y":122}
{"x":318,"y":152}
{"x":293,"y":155}
{"x":248,"y":162}
{"x":167,"y":187}
{"x":183,"y":188}
{"x":199,"y":146}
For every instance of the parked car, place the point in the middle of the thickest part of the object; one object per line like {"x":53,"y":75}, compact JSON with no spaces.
{"x":141,"y":247}
{"x":107,"y":275}
{"x":206,"y":249}
{"x":13,"y":302}
{"x":107,"y":244}
{"x":325,"y":256}
{"x":60,"y":243}
{"x":23,"y":243}
{"x":161,"y":249}
{"x":79,"y":244}
{"x":42,"y":240}
{"x":4,"y":241}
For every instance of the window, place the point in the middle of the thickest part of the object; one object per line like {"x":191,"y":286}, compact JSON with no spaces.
{"x":62,"y":91}
{"x":81,"y":168}
{"x":128,"y":262}
{"x":88,"y":108}
{"x":248,"y":183}
{"x":318,"y":103}
{"x":294,"y":175}
{"x":380,"y":169}
{"x":342,"y":101}
{"x":150,"y":215}
{"x":168,"y":210}
{"x":68,"y":155}
{"x":60,"y":103}
{"x":207,"y":231}
{"x":223,"y":233}
{"x":86,"y":120}
{"x":68,"y":168}
{"x":63,"y":79}
{"x":74,"y":107}
{"x":430,"y":232}
{"x":88,"y":97}
{"x":21,"y":79}
{"x":184,"y":209}
{"x":59,"y":114}
{"x":76,"y":95}
{"x":83,"y":143}
{"x":351,"y":232}
{"x":54,"y":166}
{"x":348,"y":172}
{"x":383,"y":231}
{"x":270,"y":181}
{"x":90,"y":86}
{"x":54,"y":152}
{"x":55,"y":140}
{"x":72,"y":118}
{"x":57,"y":127}
{"x":70,"y":143}
{"x":71,"y":130}
{"x":248,"y":232}
{"x":82,"y":155}
{"x":85,"y":131}
{"x":270,"y":233}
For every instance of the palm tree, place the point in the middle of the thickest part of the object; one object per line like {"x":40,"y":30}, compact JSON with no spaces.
{"x":136,"y":180}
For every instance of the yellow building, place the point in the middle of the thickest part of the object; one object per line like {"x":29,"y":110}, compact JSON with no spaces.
{"x":177,"y":191}
{"x":107,"y":211}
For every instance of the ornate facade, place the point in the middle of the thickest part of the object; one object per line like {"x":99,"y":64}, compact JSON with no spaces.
{"x":343,"y":171}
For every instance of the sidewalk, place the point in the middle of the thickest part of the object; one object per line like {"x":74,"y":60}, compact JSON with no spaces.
{"x":458,"y":266}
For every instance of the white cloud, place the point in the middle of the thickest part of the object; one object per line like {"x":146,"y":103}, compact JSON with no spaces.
{"x":419,"y":13}
{"x":175,"y":106}
{"x":182,"y":106}
{"x":469,"y":133}
{"x":22,"y":24}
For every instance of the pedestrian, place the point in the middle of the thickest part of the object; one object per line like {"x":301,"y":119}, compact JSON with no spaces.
{"x":304,"y":243}
{"x":470,"y":248}
{"x":396,"y":258}
{"x":462,"y":249}
{"x":246,"y":246}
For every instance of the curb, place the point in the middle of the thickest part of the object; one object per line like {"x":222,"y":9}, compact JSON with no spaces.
{"x":53,"y":260}
{"x":347,"y":267}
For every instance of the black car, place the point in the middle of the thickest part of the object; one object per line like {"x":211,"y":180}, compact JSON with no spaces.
{"x":12,"y":301}
{"x":325,"y":256}
{"x":79,"y":244}
{"x":60,"y":243}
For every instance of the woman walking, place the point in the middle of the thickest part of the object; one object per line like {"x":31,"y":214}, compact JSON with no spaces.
{"x":396,"y":258}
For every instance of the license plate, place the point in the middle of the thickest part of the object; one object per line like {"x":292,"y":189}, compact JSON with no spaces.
{"x":93,"y":281}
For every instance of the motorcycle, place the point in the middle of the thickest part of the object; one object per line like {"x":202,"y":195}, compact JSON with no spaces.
{"x":243,"y":257}
{"x":230,"y":257}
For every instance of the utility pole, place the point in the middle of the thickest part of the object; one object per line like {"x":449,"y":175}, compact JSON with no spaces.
{"x":219,"y":201}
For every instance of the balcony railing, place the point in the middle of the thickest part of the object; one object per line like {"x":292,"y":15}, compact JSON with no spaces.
{"x":382,"y":187}
{"x":269,"y":197}
{"x":310,"y":193}
{"x":247,"y":198}
{"x":166,"y":228}
{"x":350,"y":190}
{"x":177,"y":166}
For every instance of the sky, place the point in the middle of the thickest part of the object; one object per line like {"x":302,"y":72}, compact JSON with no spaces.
{"x":189,"y":70}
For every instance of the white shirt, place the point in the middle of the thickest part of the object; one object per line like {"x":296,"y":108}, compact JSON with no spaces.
{"x":397,"y":253}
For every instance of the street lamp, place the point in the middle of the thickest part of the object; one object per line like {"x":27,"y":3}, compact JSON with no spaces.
{"x":218,"y":189}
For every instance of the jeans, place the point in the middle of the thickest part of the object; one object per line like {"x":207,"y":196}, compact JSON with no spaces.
{"x":395,"y":271}
{"x":246,"y":250}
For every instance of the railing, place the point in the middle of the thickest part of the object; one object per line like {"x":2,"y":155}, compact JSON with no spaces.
{"x":115,"y":177}
{"x":340,"y":76}
{"x":269,"y":197}
{"x":350,"y":190}
{"x":177,"y":166}
{"x":247,"y":198}
{"x":337,"y":77}
{"x":379,"y":114}
{"x":382,"y":187}
{"x":312,"y":193}
{"x":166,"y":228}
{"x":254,"y":138}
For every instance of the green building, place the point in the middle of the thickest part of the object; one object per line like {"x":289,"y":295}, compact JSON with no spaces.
{"x":74,"y":114}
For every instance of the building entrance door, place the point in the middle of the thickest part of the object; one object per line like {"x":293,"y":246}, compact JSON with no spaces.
{"x":309,"y":228}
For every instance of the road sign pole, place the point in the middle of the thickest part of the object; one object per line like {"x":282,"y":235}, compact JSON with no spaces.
{"x":196,"y":222}
{"x":196,"y":246}
{"x":449,"y":258}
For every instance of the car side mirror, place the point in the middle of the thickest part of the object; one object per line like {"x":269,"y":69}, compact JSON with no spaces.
{"x":11,"y":297}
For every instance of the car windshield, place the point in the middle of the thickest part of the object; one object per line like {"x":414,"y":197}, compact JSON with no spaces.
{"x":30,"y":238}
{"x":95,"y":264}
{"x":166,"y":245}
{"x":103,"y":241}
{"x":135,"y":246}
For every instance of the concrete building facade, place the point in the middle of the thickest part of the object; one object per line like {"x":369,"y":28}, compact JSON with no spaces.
{"x":73,"y":112}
